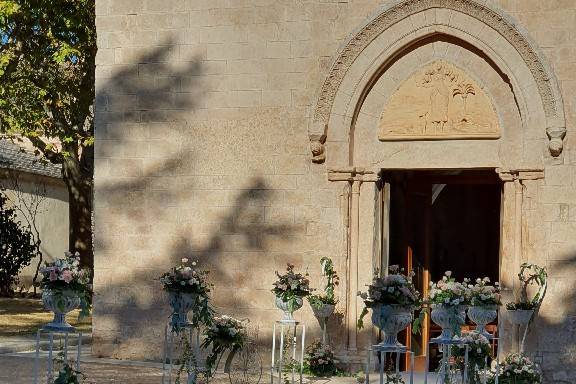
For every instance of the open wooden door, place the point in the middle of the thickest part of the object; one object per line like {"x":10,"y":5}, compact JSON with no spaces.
{"x":438,"y":221}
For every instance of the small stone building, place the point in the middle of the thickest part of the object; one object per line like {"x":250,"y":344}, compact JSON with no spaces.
{"x":246,"y":134}
{"x":37,"y":188}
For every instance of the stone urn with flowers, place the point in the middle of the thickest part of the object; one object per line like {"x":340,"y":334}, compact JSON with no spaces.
{"x":393,"y":299}
{"x":188,"y":290}
{"x":290,"y":290}
{"x":448,"y":299}
{"x":65,"y":287}
{"x":484,"y":302}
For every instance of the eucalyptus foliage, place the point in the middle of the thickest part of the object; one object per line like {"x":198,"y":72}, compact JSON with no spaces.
{"x":47,"y":67}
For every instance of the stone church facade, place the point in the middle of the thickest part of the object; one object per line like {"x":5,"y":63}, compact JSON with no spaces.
{"x":251,"y":133}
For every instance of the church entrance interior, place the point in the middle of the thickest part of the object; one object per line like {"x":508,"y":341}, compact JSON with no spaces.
{"x":438,"y":221}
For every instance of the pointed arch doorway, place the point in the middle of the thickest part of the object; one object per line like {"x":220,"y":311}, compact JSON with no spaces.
{"x":438,"y":221}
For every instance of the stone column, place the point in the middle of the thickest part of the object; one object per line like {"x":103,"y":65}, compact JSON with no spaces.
{"x":353,"y":265}
{"x":511,"y":256}
{"x":355,"y":177}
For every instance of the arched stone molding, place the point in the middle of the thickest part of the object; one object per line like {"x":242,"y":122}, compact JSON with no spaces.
{"x":399,"y":24}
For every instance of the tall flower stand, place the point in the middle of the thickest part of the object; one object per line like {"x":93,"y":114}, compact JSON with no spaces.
{"x":382,"y":351}
{"x":193,"y":364}
{"x":292,"y":337}
{"x":52,"y":332}
{"x":447,"y":370}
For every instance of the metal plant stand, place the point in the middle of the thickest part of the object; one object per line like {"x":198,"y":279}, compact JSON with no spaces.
{"x":446,"y":372}
{"x":382,"y":352}
{"x":51,"y":331}
{"x":287,"y":346}
{"x":193,"y":366}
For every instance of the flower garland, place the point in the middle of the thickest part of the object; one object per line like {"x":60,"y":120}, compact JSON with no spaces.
{"x":225,"y":333}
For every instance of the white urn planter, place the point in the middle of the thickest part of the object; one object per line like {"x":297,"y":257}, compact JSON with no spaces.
{"x":520,"y":316}
{"x":289,"y":307}
{"x":482,"y":315}
{"x":450,"y":318}
{"x":324,"y":311}
{"x":391,"y":319}
{"x":181,"y":303}
{"x":60,"y":303}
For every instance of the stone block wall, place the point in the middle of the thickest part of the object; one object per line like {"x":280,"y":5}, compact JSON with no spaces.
{"x":202,"y":151}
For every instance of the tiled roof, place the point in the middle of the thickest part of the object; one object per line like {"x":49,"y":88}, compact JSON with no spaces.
{"x":13,"y":157}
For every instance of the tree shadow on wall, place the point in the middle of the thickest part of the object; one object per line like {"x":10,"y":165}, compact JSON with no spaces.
{"x":552,"y":336}
{"x":148,"y":216}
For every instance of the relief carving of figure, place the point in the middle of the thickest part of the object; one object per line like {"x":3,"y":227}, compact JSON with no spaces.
{"x":439,"y":101}
{"x":439,"y":80}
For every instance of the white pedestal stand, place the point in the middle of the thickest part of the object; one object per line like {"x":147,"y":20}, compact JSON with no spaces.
{"x":445,"y":371}
{"x":288,"y":340}
{"x":382,"y":352}
{"x":193,"y":365}
{"x":67,"y":333}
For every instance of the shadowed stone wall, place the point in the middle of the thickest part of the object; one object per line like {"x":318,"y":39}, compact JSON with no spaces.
{"x":202,"y":150}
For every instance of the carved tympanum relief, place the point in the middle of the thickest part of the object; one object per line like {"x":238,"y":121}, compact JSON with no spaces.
{"x":439,"y":102}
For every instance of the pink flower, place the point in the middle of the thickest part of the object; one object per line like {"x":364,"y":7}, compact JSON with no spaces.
{"x":67,"y":276}
{"x":53,"y":275}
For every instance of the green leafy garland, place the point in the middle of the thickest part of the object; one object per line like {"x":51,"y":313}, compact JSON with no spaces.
{"x":328,"y":297}
{"x":530,"y":274}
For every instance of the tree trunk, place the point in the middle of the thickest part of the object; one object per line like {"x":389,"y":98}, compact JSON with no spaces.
{"x":78,"y":176}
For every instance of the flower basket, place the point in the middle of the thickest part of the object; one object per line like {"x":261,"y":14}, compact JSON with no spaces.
{"x":391,"y":319}
{"x":482,"y":315}
{"x":290,"y":289}
{"x":181,"y":303}
{"x":289,"y":307}
{"x":60,"y":303}
{"x":450,"y":319}
{"x":188,"y":290}
{"x":323,"y":311}
{"x":393,"y":299}
{"x":520,"y":316}
{"x":65,"y":287}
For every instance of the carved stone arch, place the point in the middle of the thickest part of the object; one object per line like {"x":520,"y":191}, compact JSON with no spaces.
{"x":403,"y":20}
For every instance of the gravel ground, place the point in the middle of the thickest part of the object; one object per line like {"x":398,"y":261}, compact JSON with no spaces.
{"x":19,"y":369}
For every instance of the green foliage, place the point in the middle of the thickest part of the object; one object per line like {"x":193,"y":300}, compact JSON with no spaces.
{"x":47,"y":81}
{"x":224,"y":334}
{"x":17,"y":246}
{"x":66,"y":374}
{"x":328,"y":297}
{"x":530,"y":274}
{"x":47,"y":61}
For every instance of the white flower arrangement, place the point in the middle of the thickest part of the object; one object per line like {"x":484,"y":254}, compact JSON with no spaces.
{"x":517,"y":368}
{"x":448,"y":292}
{"x":394,"y":289}
{"x":484,"y":293}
